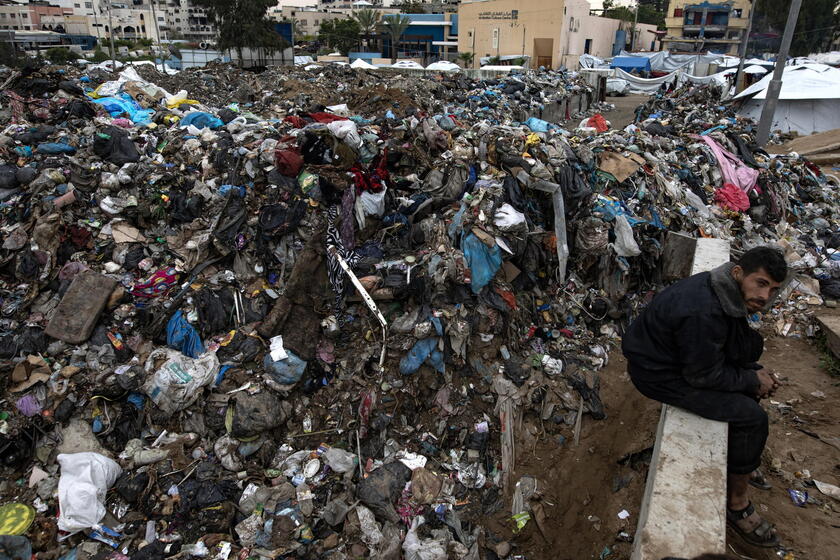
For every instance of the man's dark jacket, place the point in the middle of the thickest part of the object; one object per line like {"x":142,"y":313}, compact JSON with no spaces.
{"x":696,"y":332}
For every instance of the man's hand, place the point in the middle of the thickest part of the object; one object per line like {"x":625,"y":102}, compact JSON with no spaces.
{"x":767,"y":383}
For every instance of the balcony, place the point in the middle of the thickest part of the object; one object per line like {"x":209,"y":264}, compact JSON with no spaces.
{"x":709,"y":28}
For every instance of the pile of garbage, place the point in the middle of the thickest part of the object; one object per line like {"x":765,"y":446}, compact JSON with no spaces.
{"x":303,"y":313}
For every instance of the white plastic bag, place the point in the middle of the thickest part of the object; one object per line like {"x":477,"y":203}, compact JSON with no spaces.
{"x":507,"y":217}
{"x":85,"y":479}
{"x":625,"y":244}
{"x":347,"y":131}
{"x":370,"y":204}
{"x":175,"y":384}
{"x":416,"y":548}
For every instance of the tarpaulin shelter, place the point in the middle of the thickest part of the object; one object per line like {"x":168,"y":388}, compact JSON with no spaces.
{"x":809,"y":101}
{"x":631,"y":63}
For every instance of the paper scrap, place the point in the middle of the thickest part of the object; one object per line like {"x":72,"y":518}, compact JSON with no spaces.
{"x":276,"y":349}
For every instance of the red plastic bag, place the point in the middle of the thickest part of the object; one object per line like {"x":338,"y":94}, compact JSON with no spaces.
{"x":598,"y":122}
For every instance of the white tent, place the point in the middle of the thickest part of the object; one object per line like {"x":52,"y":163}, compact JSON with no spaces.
{"x":444,"y":66}
{"x":359,"y":63}
{"x":809,"y":101}
{"x":755,"y":69}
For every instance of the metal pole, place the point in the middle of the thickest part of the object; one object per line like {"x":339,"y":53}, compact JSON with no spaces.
{"x":635,"y":21}
{"x":111,"y":37}
{"x":157,"y":33}
{"x":742,"y":52}
{"x":772,"y":99}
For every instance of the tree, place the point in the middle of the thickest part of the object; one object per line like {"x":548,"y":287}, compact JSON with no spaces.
{"x":411,"y":7}
{"x":815,"y":28}
{"x":60,"y":55}
{"x":394,"y":27}
{"x":340,"y":34}
{"x":467,"y":58}
{"x":647,"y":13}
{"x":242,"y":24}
{"x":368,"y":21}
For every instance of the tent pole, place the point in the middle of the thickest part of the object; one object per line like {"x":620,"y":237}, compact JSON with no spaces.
{"x":769,"y":109}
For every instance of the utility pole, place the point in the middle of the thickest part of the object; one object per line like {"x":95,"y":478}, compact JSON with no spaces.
{"x":772,"y":99}
{"x":742,"y":52}
{"x":633,"y":32}
{"x":157,"y":34}
{"x":111,"y":37}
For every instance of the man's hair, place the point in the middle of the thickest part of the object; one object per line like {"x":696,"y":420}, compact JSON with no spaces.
{"x":768,"y":258}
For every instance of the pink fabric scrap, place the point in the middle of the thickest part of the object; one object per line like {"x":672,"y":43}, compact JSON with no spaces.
{"x":731,"y":197}
{"x":733,"y":169}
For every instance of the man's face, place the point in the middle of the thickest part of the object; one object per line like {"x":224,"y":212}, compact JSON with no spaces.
{"x":757,"y":288}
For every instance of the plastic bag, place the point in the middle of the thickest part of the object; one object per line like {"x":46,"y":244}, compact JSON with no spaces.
{"x":178,"y":99}
{"x":182,"y":336}
{"x":176,"y":382}
{"x":347,"y":131}
{"x":200,"y":119}
{"x":508,"y":218}
{"x":625,"y":244}
{"x":85,"y":479}
{"x":483,"y":261}
{"x":370,"y":204}
{"x":539,"y":125}
{"x":416,"y":548}
{"x":287,"y":371}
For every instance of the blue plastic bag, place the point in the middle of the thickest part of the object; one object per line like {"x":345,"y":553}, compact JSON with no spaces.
{"x":182,"y":336}
{"x":200,"y":119}
{"x":54,"y":148}
{"x":285,"y":372}
{"x":484,"y":261}
{"x":425,"y":350}
{"x":539,"y":125}
{"x":117,"y":106}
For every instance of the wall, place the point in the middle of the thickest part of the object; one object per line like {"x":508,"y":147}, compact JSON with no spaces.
{"x":566,"y":23}
{"x":509,"y":27}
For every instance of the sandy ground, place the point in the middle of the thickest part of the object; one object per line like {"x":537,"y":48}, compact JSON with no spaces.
{"x":625,"y":109}
{"x":586,"y":486}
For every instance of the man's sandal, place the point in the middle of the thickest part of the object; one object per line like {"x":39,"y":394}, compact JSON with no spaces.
{"x":758,"y":480}
{"x":762,"y":535}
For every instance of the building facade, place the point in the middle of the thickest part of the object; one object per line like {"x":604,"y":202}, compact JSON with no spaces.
{"x":429,"y":38}
{"x":548,"y":33}
{"x":703,"y":26}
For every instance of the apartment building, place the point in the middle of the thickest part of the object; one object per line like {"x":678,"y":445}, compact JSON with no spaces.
{"x":704,"y":26}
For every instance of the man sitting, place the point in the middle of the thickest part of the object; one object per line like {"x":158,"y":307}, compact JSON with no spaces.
{"x":692,"y":348}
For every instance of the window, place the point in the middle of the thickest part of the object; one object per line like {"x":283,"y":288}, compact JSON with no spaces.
{"x":3,"y":16}
{"x":12,"y":16}
{"x":77,"y":5}
{"x":24,"y":16}
{"x":496,"y":38}
{"x":678,"y":12}
{"x":26,"y":27}
{"x":89,"y":5}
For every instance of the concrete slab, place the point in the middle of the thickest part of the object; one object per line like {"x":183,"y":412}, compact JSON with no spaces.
{"x":830,"y":325}
{"x":683,"y":511}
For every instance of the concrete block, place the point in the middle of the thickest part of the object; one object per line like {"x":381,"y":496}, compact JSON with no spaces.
{"x":677,"y":256}
{"x":830,"y":325}
{"x":709,"y":254}
{"x":683,"y":511}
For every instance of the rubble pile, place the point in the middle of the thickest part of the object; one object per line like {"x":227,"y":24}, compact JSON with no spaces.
{"x":303,"y":313}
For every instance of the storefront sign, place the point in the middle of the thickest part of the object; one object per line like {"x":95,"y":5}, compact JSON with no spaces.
{"x":512,"y":14}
